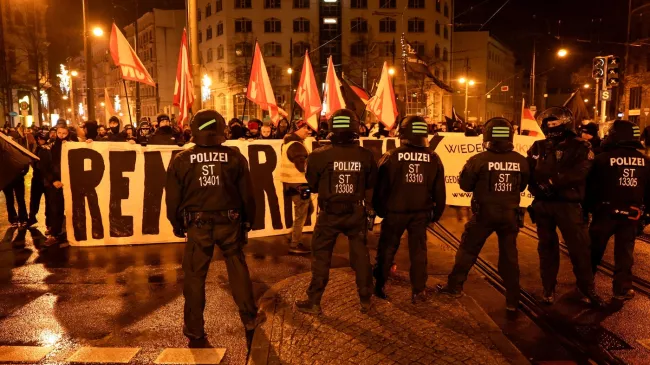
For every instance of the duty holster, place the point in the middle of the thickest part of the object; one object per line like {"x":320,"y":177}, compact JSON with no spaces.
{"x":630,"y":212}
{"x":304,"y":191}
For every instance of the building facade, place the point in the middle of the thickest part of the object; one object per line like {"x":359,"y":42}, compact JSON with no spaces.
{"x":636,"y":95}
{"x":360,"y":35}
{"x":491,"y":65}
{"x":24,"y":75}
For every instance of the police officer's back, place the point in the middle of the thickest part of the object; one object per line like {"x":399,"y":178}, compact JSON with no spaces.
{"x":410,"y":193}
{"x":559,"y":167}
{"x":617,"y":193}
{"x":496,"y":177}
{"x":209,"y":194}
{"x":343,"y":174}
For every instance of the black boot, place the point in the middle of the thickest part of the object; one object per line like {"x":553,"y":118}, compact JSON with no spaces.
{"x":380,"y":293}
{"x":449,"y":291}
{"x":306,"y":306}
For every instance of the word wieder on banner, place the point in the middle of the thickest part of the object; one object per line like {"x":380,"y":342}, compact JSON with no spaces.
{"x":114,"y":192}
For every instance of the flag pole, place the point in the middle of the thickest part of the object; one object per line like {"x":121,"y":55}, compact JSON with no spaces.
{"x":404,"y":55}
{"x":128,"y":106}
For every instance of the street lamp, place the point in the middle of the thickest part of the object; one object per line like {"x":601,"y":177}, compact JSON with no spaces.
{"x":289,"y":70}
{"x":74,"y":73}
{"x":587,"y":86}
{"x":467,"y":84}
{"x":98,"y":32}
{"x":391,"y":71}
{"x":562,"y":52}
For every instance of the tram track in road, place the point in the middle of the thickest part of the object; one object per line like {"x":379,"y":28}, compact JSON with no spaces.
{"x":640,"y":285}
{"x":567,"y":335}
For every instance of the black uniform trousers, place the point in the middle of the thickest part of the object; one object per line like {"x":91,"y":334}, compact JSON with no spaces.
{"x":603,"y":227}
{"x":56,"y":211}
{"x":490,"y":219}
{"x":392,"y":228}
{"x":199,"y":249}
{"x":37,"y":190}
{"x":549,"y":216}
{"x":328,"y":227}
{"x":17,"y":188}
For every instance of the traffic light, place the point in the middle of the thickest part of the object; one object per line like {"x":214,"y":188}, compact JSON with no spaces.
{"x":598,"y":70}
{"x":613,"y":65}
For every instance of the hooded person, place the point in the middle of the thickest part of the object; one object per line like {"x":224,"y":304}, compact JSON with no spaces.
{"x":90,"y":130}
{"x":618,"y":190}
{"x":164,"y":135}
{"x":253,"y":129}
{"x":282,"y":128}
{"x":51,"y":170}
{"x":114,"y":134}
{"x":143,"y":133}
{"x":129,"y":134}
{"x":589,"y":133}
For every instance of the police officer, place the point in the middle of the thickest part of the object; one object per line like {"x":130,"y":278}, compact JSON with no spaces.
{"x":617,"y":191}
{"x":410,"y":193}
{"x":559,"y":167}
{"x":209,"y":193}
{"x":343,"y":174}
{"x":496,"y":177}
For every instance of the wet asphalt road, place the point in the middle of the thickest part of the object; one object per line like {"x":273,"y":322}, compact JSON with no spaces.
{"x":131,"y":296}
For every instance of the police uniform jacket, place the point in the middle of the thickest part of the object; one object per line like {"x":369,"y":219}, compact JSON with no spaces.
{"x":342,"y":173}
{"x":208,"y":179}
{"x":619,"y":178}
{"x":563,"y":167}
{"x":496,"y":177}
{"x":410,"y":179}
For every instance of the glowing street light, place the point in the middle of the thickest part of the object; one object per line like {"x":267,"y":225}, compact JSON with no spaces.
{"x":587,"y":86}
{"x":467,"y":84}
{"x":98,"y":32}
{"x":586,"y":100}
{"x":102,"y":104}
{"x":74,"y":73}
{"x":391,"y":71}
{"x":462,"y":80}
{"x":289,"y":70}
{"x":471,"y":82}
{"x":562,"y":52}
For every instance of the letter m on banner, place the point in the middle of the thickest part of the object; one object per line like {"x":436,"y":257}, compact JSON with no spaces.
{"x":125,"y":57}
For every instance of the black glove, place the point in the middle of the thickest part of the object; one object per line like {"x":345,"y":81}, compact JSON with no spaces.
{"x":546,"y":189}
{"x":179,"y":232}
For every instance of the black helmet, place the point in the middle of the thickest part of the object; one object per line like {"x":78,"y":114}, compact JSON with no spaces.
{"x":344,"y":126}
{"x":498,"y":134}
{"x":414,"y":130}
{"x":556,"y":121}
{"x":624,"y":133}
{"x":208,"y":128}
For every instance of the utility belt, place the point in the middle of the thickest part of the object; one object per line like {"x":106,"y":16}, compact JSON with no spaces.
{"x":217,"y":217}
{"x":303,"y":190}
{"x":340,"y":207}
{"x":624,"y":211}
{"x":519,"y":212}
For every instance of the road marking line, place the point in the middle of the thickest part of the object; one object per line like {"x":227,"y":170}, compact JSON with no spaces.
{"x":119,"y":355}
{"x":31,"y":354}
{"x":191,"y":356}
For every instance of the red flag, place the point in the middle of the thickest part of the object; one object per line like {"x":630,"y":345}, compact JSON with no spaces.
{"x":125,"y":57}
{"x":529,"y":124}
{"x":259,"y":88}
{"x":333,"y":96}
{"x":184,"y":87}
{"x":383,"y":105}
{"x":307,"y":94}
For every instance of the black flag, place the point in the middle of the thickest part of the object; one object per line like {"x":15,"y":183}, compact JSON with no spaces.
{"x":414,"y":63}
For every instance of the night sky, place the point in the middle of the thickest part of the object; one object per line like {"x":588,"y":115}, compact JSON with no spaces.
{"x":587,"y":27}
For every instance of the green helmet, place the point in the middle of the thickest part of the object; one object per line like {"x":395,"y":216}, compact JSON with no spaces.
{"x":344,"y":126}
{"x":208,"y":128}
{"x":415,"y":131}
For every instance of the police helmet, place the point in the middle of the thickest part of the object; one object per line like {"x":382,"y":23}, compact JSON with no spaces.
{"x":344,"y":126}
{"x":498,"y":132}
{"x":414,"y":130}
{"x":624,"y":133}
{"x":208,"y":128}
{"x":557,"y":121}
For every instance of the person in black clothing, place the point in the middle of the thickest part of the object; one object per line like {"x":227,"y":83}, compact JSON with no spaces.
{"x":496,"y":177}
{"x":323,"y":131}
{"x":114,"y":134}
{"x":90,"y":130}
{"x":410,"y":194}
{"x":282,"y":129}
{"x":617,"y":193}
{"x":344,"y":176}
{"x":237,"y":129}
{"x":165,"y":134}
{"x":38,"y":184}
{"x":129,"y":134}
{"x":16,"y":189}
{"x":589,"y":132}
{"x":101,"y":133}
{"x":559,"y":166}
{"x":645,"y":138}
{"x":209,"y":187}
{"x":52,"y":136}
{"x":253,"y":129}
{"x":51,"y":169}
{"x":143,"y":133}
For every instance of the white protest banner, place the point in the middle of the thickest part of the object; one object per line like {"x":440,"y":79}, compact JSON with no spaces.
{"x":455,"y":149}
{"x":114,"y":191}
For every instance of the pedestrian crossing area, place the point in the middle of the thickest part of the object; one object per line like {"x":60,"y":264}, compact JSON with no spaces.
{"x":108,"y":355}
